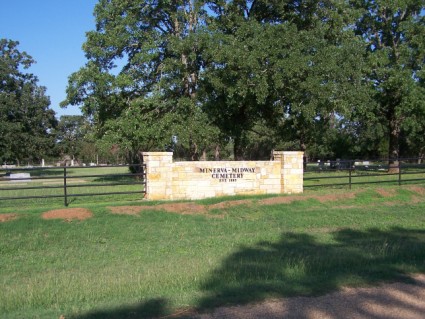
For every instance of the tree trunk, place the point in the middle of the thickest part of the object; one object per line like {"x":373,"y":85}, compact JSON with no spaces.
{"x":394,"y":146}
{"x":217,"y":153}
{"x":204,"y":155}
{"x":421,"y":155}
{"x":303,"y":148}
{"x":238,"y":148}
{"x":194,"y":156}
{"x":135,"y":161}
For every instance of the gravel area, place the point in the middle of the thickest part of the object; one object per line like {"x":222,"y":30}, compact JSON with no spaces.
{"x":387,"y":301}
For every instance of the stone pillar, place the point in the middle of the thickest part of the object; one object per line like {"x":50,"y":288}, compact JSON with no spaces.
{"x":158,"y":175}
{"x":291,"y":171}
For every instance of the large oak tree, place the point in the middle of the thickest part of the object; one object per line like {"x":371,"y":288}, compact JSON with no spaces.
{"x":394,"y":32}
{"x":295,"y":66}
{"x":143,"y":71}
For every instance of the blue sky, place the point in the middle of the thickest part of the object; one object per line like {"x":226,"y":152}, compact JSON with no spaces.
{"x":52,"y":32}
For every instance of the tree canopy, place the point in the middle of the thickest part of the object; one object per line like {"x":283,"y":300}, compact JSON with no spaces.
{"x":331,"y":78}
{"x":25,"y":117}
{"x":394,"y":33}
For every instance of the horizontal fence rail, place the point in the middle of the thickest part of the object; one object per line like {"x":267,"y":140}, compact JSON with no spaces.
{"x":356,"y":172}
{"x":70,"y":182}
{"x":17,"y":183}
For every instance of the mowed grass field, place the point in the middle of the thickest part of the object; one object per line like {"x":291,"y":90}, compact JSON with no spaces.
{"x":152,"y":259}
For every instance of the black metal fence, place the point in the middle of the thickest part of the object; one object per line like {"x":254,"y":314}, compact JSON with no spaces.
{"x":17,"y":183}
{"x":70,"y":182}
{"x":356,"y":172}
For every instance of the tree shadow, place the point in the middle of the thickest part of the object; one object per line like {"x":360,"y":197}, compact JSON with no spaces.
{"x":301,"y":265}
{"x":150,"y":309}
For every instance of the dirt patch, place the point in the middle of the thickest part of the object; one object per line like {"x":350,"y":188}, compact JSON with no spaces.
{"x":282,"y":200}
{"x":334,"y":197}
{"x":7,"y":217}
{"x":126,"y":210}
{"x":386,"y":192}
{"x":393,"y":300}
{"x":189,"y":208}
{"x":184,"y":208}
{"x":68,"y":214}
{"x":320,"y":198}
{"x":181,"y":208}
{"x":417,"y":189}
{"x":224,"y":205}
{"x":416,"y":200}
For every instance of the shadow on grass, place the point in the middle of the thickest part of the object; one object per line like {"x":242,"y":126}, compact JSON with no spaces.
{"x":149,"y":309}
{"x":117,"y":178}
{"x":301,"y":264}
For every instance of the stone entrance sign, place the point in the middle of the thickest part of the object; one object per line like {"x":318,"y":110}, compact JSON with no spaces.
{"x":170,"y":180}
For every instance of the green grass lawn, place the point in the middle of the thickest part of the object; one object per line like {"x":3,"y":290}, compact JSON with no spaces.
{"x":156,"y":262}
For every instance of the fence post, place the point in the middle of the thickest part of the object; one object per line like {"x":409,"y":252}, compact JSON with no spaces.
{"x":143,"y":177}
{"x":64,"y":186}
{"x":399,"y":172}
{"x":349,"y":175}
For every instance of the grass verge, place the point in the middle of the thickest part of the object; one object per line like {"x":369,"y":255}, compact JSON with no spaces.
{"x":157,"y":261}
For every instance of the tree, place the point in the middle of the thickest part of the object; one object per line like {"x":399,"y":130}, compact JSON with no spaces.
{"x":296,"y":65}
{"x":322,"y":75}
{"x":395,"y":35}
{"x":25,"y":118}
{"x":70,"y":133}
{"x":143,"y":51}
{"x":236,"y":83}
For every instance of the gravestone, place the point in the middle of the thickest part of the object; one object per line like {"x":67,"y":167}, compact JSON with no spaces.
{"x":20,"y":177}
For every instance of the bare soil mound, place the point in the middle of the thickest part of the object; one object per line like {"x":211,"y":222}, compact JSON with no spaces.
{"x":126,"y":210}
{"x":224,"y":205}
{"x":181,"y":208}
{"x":68,"y":214}
{"x":321,"y":198}
{"x":417,"y":189}
{"x":190,"y":208}
{"x":386,"y":192}
{"x":7,"y":217}
{"x":184,"y":208}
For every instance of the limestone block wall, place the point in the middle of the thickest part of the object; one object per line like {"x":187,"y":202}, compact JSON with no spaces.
{"x":292,"y":171}
{"x":168,"y":180}
{"x":158,"y":174}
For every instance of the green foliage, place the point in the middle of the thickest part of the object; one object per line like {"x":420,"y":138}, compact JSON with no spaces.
{"x":331,"y":78}
{"x":70,"y":133}
{"x":143,"y":53}
{"x":395,"y":36}
{"x":25,"y":117}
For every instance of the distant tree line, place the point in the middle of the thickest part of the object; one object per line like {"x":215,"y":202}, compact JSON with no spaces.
{"x":29,"y":131}
{"x":219,"y":79}
{"x":25,"y":118}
